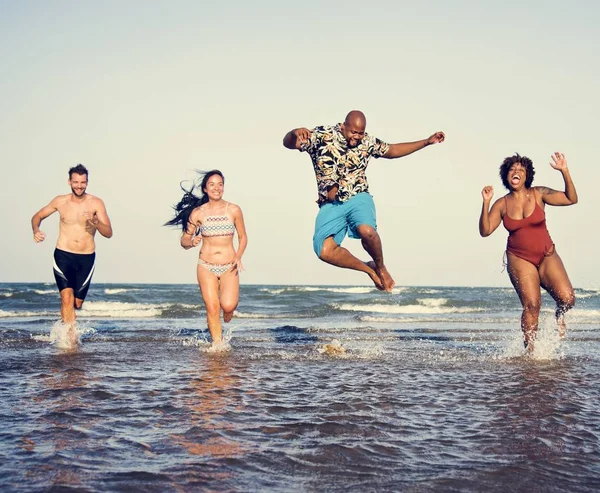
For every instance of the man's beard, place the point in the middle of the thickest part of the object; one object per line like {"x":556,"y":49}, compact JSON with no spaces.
{"x":77,"y":194}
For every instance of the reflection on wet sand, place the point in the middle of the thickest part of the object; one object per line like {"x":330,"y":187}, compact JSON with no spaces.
{"x":61,"y":430}
{"x":215,"y":392}
{"x":530,"y":419}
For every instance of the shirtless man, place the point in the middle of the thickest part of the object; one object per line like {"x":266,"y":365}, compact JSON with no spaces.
{"x":340,"y":155}
{"x":81,"y":215}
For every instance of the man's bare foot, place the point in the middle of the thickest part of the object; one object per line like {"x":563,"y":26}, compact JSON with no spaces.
{"x":386,"y":281}
{"x":386,"y":278}
{"x":373,"y":275}
{"x":72,"y":335}
{"x":227,"y":316}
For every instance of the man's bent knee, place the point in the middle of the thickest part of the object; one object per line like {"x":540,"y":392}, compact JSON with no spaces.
{"x":67,"y":296}
{"x":327,"y":249}
{"x":366,"y":232}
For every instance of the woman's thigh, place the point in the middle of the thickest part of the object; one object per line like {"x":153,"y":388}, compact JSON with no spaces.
{"x":209,"y":286}
{"x":554,"y":278}
{"x":525,"y":278}
{"x":229,"y":289}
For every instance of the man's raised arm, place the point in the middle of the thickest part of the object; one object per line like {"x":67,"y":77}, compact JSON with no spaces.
{"x":406,"y":148}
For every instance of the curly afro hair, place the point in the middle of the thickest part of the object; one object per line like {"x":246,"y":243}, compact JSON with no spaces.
{"x":523,"y":161}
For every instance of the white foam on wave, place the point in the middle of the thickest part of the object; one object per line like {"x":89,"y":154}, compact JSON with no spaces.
{"x":118,"y":309}
{"x":355,"y":290}
{"x":310,"y":289}
{"x":404,"y":320}
{"x":119,"y":290}
{"x":6,"y":295}
{"x":272,"y":291}
{"x":258,"y":315}
{"x":45,"y":291}
{"x":588,"y":294}
{"x":9,"y":314}
{"x":579,"y":314}
{"x":370,"y":318}
{"x":432,"y":302}
{"x":430,"y":309}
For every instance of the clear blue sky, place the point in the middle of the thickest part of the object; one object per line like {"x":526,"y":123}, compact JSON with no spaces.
{"x":143,"y":93}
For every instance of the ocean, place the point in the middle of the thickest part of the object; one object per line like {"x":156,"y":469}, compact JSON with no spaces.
{"x":325,"y":388}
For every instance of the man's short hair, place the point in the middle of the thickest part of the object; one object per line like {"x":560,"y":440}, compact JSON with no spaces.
{"x":80,"y":169}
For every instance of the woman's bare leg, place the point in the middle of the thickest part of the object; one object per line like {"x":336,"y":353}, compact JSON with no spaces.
{"x":229,"y":295}
{"x":555,"y":280}
{"x":209,"y":288}
{"x":526,"y":281}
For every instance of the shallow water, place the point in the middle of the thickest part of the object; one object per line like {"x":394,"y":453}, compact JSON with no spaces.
{"x":418,"y":400}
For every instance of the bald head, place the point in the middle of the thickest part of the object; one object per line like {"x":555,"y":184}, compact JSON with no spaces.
{"x":353,"y":128}
{"x":356,"y":118}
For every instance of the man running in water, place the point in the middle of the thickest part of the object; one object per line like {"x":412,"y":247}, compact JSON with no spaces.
{"x":81,"y":215}
{"x":340,"y":155}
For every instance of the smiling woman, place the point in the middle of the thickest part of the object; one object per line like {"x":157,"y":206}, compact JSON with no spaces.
{"x":531,"y":258}
{"x":211,"y":222}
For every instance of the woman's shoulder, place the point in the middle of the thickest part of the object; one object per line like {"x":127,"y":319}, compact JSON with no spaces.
{"x":500,"y":204}
{"x":198,"y":212}
{"x":502,"y":200}
{"x":234,"y":208}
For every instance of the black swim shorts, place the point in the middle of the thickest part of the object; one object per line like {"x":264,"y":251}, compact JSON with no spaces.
{"x":74,"y":270}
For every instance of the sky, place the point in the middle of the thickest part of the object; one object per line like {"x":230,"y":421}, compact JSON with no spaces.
{"x":146,"y":92}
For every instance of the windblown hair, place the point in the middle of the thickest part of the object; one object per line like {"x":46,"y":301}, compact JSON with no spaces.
{"x":80,"y":169}
{"x":523,"y":161}
{"x":190,"y":200}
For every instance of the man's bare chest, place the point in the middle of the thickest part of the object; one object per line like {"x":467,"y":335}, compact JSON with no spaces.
{"x":75,"y":214}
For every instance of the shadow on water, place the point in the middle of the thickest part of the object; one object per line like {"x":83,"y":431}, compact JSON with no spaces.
{"x":290,"y":334}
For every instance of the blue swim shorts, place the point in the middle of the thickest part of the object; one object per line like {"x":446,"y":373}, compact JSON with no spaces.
{"x":340,"y":218}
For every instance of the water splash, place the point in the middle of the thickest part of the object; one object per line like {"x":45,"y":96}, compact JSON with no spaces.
{"x":220,"y":347}
{"x":333,"y":348}
{"x":547,"y":344}
{"x":65,"y":336}
{"x":202,"y":341}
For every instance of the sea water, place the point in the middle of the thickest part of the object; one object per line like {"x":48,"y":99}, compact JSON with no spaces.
{"x":322,"y":388}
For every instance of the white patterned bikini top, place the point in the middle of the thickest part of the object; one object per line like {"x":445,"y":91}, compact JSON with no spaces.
{"x":217,"y":225}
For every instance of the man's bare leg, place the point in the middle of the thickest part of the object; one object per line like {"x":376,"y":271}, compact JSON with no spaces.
{"x":336,"y":255}
{"x":371,"y":242}
{"x":67,"y":313}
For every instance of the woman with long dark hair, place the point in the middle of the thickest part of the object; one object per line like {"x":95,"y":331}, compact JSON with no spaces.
{"x":211,"y":222}
{"x":531,"y":257}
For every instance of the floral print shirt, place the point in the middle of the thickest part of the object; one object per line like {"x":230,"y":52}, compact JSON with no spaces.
{"x":337,"y":164}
